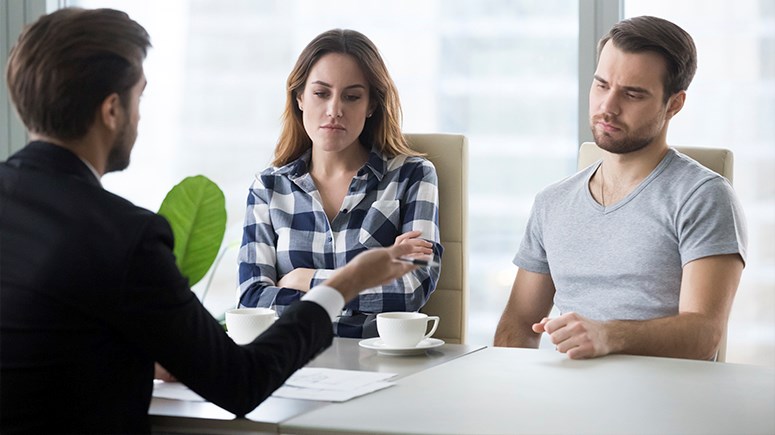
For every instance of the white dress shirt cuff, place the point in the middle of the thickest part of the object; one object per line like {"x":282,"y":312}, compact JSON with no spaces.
{"x":328,"y":298}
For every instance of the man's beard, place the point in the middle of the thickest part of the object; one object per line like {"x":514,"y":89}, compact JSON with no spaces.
{"x":118,"y":158}
{"x":636,"y":141}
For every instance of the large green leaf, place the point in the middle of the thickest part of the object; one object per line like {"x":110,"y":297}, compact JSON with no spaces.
{"x":196,"y":211}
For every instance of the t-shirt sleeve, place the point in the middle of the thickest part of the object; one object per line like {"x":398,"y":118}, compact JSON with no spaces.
{"x":711,"y":222}
{"x":531,"y":255}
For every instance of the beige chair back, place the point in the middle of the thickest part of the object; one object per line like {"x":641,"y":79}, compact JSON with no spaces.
{"x":718,"y":160}
{"x":449,"y":154}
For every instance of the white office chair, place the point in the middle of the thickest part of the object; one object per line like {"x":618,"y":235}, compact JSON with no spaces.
{"x":718,"y":160}
{"x":449,"y":154}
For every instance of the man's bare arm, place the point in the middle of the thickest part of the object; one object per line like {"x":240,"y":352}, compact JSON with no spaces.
{"x":530,"y":301}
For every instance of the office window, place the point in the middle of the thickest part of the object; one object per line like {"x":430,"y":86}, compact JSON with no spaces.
{"x":502,"y":72}
{"x":731,"y":104}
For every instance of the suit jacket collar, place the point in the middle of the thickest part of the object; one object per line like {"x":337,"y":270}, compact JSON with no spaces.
{"x":47,"y":157}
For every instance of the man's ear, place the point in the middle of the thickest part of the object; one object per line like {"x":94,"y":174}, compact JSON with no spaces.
{"x":675,"y":103}
{"x":110,"y":112}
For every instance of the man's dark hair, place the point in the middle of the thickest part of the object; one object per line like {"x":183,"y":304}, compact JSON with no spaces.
{"x":640,"y":34}
{"x":65,"y":64}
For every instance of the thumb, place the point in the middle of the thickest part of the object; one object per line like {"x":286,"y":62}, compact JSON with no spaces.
{"x":541,"y":326}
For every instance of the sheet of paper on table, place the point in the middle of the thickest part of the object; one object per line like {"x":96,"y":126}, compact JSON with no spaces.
{"x":329,"y":385}
{"x":332,"y":385}
{"x":175,"y":390}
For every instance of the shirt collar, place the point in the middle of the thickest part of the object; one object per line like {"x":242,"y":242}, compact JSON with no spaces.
{"x":91,"y":168}
{"x":376,"y":164}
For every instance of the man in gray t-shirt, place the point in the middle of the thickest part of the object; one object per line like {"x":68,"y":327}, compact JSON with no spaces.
{"x":641,"y":252}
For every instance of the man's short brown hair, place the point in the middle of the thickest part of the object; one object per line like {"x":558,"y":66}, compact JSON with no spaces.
{"x":674,"y":44}
{"x":65,"y":64}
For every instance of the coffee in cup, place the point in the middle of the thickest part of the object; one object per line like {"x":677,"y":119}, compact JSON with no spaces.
{"x":403,"y":330}
{"x":245,"y":324}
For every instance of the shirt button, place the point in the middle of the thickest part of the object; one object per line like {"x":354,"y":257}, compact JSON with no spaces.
{"x":344,"y":210}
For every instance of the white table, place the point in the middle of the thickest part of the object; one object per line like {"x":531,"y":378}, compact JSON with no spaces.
{"x":498,"y":390}
{"x":177,"y":416}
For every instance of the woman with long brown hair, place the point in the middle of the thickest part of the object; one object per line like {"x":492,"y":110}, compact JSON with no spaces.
{"x":343,"y":180}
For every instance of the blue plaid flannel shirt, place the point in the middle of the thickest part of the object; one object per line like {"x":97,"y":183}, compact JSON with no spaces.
{"x":286,"y":228}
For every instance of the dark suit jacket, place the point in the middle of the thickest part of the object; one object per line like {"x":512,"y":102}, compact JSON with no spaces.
{"x":90,"y":297}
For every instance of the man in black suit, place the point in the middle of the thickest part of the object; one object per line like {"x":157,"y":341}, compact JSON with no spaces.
{"x":90,"y":295}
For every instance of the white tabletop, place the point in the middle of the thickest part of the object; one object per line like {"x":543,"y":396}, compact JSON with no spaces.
{"x":178,"y":415}
{"x":498,"y":390}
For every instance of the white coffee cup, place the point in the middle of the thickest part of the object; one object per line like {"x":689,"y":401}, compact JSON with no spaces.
{"x":401,"y":330}
{"x":245,"y":324}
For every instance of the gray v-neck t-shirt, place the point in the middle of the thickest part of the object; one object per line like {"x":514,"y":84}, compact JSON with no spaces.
{"x":625,"y":261}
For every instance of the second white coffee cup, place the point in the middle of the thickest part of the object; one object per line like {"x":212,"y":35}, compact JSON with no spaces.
{"x":403,"y":330}
{"x":245,"y":324}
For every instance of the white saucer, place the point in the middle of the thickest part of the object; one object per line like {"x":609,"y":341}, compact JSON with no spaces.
{"x":380,"y":347}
